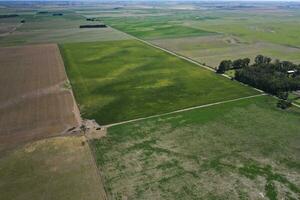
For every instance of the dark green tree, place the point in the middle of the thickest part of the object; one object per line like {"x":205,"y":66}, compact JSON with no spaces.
{"x":283,"y":104}
{"x":260,"y":59}
{"x":224,"y":65}
{"x":283,"y":95}
{"x":240,"y":63}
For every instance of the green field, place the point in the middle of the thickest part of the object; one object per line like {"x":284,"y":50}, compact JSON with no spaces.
{"x":272,"y":34}
{"x":121,"y":80}
{"x":246,"y":149}
{"x":154,"y":27}
{"x":227,"y":34}
{"x":211,"y":50}
{"x":277,"y":26}
{"x":295,"y":98}
{"x":59,"y":168}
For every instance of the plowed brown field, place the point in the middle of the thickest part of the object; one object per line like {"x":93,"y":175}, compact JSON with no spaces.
{"x":34,"y":99}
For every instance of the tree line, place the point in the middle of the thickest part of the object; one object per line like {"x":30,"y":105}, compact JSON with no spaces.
{"x":274,"y":77}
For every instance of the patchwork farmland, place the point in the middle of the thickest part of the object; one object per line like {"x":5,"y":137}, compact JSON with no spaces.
{"x":133,"y":109}
{"x":216,"y":35}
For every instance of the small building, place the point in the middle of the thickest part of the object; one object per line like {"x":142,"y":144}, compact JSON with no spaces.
{"x":291,"y":71}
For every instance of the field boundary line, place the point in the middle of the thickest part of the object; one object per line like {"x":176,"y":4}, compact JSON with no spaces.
{"x":181,"y":110}
{"x":178,"y":55}
{"x":294,"y":104}
{"x":189,"y":60}
{"x":184,"y":58}
{"x":92,"y":153}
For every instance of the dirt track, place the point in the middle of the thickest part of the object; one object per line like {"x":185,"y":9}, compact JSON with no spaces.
{"x":181,"y":110}
{"x":34,"y":100}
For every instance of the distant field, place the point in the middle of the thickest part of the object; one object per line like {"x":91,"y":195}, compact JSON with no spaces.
{"x":8,"y":25}
{"x":154,"y":27}
{"x":122,"y":13}
{"x":45,"y":28}
{"x":116,"y":81}
{"x":35,"y":101}
{"x":63,"y":36}
{"x":58,"y":168}
{"x":210,"y":37}
{"x":276,"y":26}
{"x":246,"y":149}
{"x":273,"y":26}
{"x":211,"y":50}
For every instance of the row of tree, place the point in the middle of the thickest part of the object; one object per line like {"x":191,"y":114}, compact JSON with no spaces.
{"x":237,"y":64}
{"x":270,"y":76}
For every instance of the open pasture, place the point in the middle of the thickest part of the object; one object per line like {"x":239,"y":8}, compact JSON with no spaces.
{"x":276,"y":26}
{"x":246,"y":149}
{"x":211,"y":50}
{"x":121,"y":80}
{"x":216,"y":35}
{"x":35,"y":100}
{"x":59,"y":168}
{"x":160,"y":26}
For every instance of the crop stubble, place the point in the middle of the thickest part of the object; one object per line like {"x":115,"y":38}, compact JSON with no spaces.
{"x":34,"y":100}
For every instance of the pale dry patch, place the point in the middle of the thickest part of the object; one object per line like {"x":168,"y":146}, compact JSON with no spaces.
{"x":56,"y":168}
{"x":157,"y":84}
{"x":283,"y":192}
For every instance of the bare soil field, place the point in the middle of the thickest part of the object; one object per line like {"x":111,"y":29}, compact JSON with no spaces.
{"x":35,"y":99}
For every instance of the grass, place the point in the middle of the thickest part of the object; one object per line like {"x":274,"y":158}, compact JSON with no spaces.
{"x":230,"y":73}
{"x":58,"y":168}
{"x":294,"y":98}
{"x":211,"y":50}
{"x":228,"y":34}
{"x":277,"y":26}
{"x":117,"y":81}
{"x":237,"y":150}
{"x":154,"y":27}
